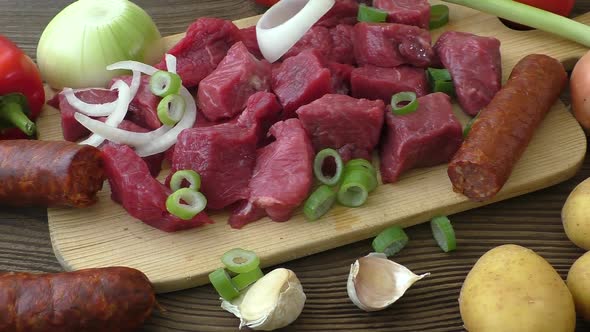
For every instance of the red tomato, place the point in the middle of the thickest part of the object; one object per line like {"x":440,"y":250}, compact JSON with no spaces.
{"x":267,"y":2}
{"x":561,"y":7}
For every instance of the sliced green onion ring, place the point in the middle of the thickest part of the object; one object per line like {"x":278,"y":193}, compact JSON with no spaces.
{"x":444,"y":86}
{"x":223,"y":284}
{"x":355,"y":187}
{"x":390,"y":241}
{"x":318,"y":162}
{"x":171,"y":109}
{"x":371,"y":14}
{"x":240,"y":260}
{"x":469,"y":124}
{"x":195,"y":203}
{"x":246,"y":279}
{"x":360,"y":162}
{"x":438,"y":74}
{"x":319,"y":202}
{"x":193,"y":178}
{"x":439,"y":16}
{"x":443,"y":233}
{"x":357,"y":172}
{"x":164,"y":83}
{"x":401,"y":97}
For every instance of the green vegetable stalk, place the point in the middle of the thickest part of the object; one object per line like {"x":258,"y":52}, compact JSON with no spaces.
{"x":533,"y":17}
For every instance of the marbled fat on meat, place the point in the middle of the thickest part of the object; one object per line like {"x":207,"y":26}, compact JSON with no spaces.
{"x":350,"y":125}
{"x":409,"y":12}
{"x":429,"y":136}
{"x":224,"y":92}
{"x":475,"y":65}
{"x":381,"y":83}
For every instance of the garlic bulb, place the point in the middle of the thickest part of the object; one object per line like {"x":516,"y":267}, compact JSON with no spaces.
{"x":272,"y":302}
{"x":375,"y":282}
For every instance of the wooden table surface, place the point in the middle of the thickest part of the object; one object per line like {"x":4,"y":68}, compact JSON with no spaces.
{"x":531,"y":220}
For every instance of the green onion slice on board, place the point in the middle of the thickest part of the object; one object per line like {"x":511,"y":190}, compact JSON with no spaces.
{"x":443,"y":233}
{"x":439,"y":16}
{"x":355,"y":187}
{"x":390,"y":241}
{"x":240,"y":260}
{"x":402,"y":97}
{"x":356,"y":172}
{"x":371,"y":14}
{"x":192,"y":177}
{"x":164,"y":83}
{"x":360,"y":162}
{"x":223,"y":284}
{"x":243,"y":280}
{"x":318,"y":162}
{"x":319,"y":202}
{"x":171,"y":109}
{"x":195,"y":203}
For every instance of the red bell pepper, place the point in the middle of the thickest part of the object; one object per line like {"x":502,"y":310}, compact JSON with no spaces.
{"x":21,"y":92}
{"x":560,"y":7}
{"x":267,"y":3}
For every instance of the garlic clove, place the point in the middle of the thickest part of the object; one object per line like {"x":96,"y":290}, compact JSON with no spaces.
{"x":375,"y":282}
{"x":272,"y":302}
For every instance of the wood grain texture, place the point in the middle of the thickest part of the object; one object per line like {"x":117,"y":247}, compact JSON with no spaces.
{"x":531,"y":220}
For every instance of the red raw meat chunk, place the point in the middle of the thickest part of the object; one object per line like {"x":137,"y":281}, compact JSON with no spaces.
{"x":282,"y":177}
{"x":475,"y":65}
{"x":316,"y":38}
{"x":341,"y":74}
{"x":153,"y":162}
{"x":409,"y":12}
{"x":342,"y":44}
{"x":200,"y":51}
{"x":143,"y":109}
{"x":429,"y":136}
{"x":224,"y":92}
{"x":300,"y":80}
{"x":262,"y":111}
{"x":391,"y":45}
{"x":381,"y":83}
{"x":350,"y":125}
{"x":249,"y":39}
{"x":223,"y":155}
{"x":343,"y":12}
{"x":140,"y":194}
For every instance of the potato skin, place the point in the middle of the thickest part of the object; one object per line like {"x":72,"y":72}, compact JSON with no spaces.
{"x":578,"y":281}
{"x":575,"y":215}
{"x":512,"y":289}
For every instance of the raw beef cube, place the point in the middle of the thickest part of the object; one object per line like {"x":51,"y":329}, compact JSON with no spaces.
{"x":204,"y":46}
{"x":340,"y":77}
{"x":342,"y":44}
{"x":409,"y":12}
{"x":262,"y":111}
{"x":350,"y":125}
{"x":223,"y":155}
{"x":343,"y":12}
{"x":300,"y":80}
{"x":282,"y":176}
{"x":72,"y":130}
{"x":140,"y":194}
{"x":249,"y":39}
{"x":381,"y":83}
{"x":143,"y":109}
{"x":475,"y":66}
{"x":391,"y":45}
{"x":153,"y":162}
{"x":429,"y":136}
{"x":224,"y":92}
{"x":316,"y":38}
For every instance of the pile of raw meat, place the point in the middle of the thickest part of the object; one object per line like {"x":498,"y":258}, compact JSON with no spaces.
{"x":260,"y":124}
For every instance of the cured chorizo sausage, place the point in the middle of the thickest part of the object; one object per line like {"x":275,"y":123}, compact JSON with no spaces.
{"x":503,"y":129}
{"x":113,"y":299}
{"x":49,"y":173}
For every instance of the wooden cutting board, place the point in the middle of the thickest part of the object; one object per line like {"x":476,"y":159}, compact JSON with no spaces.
{"x":105,"y":235}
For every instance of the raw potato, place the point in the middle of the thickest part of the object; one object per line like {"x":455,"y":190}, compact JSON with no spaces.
{"x":576,"y":215}
{"x":578,"y":281}
{"x":512,"y":289}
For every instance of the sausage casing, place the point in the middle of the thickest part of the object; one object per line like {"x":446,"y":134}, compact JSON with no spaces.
{"x":113,"y":299}
{"x":49,"y":173}
{"x":505,"y":127}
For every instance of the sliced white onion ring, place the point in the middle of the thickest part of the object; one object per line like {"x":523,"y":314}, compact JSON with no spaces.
{"x":118,"y":135}
{"x":170,"y":63}
{"x":133,"y":65}
{"x":285,"y":23}
{"x":117,"y":116}
{"x":165,"y":141}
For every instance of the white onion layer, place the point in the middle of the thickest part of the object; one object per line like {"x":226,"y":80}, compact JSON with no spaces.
{"x":170,"y":63}
{"x":118,"y":135}
{"x":285,"y":23}
{"x":133,"y":65}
